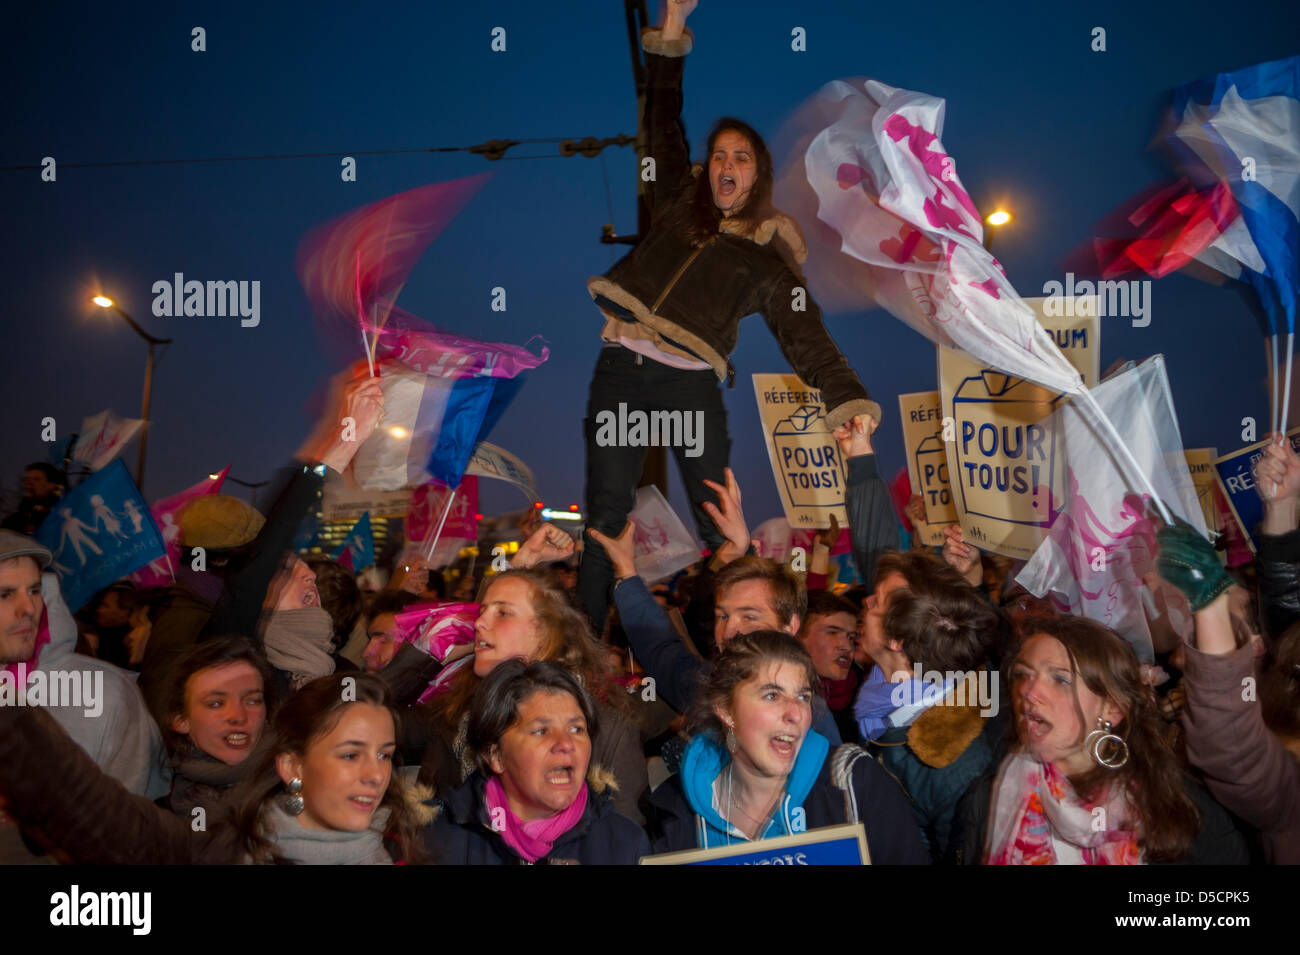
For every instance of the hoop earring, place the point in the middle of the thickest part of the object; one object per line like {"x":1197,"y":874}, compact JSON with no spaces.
{"x":294,"y":804}
{"x":1108,"y":749}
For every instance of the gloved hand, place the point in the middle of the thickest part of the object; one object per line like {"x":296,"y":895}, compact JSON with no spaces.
{"x":1188,"y":561}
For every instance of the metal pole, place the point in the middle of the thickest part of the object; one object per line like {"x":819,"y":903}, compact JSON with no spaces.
{"x":144,"y":413}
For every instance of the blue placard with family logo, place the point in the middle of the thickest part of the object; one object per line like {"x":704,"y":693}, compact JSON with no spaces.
{"x":829,"y":845}
{"x":99,"y":533}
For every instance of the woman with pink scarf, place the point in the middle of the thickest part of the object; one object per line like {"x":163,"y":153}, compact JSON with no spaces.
{"x":535,"y":797}
{"x":1091,"y":779}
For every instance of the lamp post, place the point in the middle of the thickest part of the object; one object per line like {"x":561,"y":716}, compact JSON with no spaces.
{"x":995,"y":219}
{"x":105,"y":302}
{"x":252,"y":488}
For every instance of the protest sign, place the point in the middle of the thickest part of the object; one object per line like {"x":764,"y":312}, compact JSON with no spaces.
{"x":927,"y":462}
{"x":829,"y":845}
{"x":1237,"y":482}
{"x":1002,"y":463}
{"x":663,"y":544}
{"x":1200,"y":463}
{"x":99,"y":533}
{"x":805,"y":458}
{"x":162,"y":571}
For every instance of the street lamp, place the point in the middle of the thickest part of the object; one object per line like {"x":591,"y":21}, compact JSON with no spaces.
{"x":996,"y":219}
{"x":104,"y":302}
{"x":252,"y":488}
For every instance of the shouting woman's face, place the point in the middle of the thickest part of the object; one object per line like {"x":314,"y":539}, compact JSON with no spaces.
{"x":733,"y":169}
{"x":542,"y":758}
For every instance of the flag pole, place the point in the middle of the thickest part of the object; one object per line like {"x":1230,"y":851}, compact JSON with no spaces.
{"x":428,"y":553}
{"x":1286,"y":393}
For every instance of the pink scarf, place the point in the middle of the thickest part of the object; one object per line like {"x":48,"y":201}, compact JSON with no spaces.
{"x":532,"y":840}
{"x":42,"y":638}
{"x":1034,"y":803}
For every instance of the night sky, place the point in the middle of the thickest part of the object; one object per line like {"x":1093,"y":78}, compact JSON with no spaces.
{"x":1035,"y":119}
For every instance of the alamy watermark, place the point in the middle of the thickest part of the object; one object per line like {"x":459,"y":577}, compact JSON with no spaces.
{"x":75,"y":907}
{"x":651,"y":429}
{"x":181,"y":298}
{"x":946,"y":688}
{"x":57,"y":688}
{"x":1126,"y":299}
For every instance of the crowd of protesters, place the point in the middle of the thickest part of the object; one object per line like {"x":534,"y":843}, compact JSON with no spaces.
{"x":278,"y":708}
{"x":274,"y":710}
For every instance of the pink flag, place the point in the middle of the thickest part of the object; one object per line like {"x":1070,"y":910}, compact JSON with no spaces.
{"x":161,"y":572}
{"x":354,"y":267}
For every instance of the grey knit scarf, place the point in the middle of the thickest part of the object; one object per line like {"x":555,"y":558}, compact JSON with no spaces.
{"x":299,"y":642}
{"x":326,"y":846}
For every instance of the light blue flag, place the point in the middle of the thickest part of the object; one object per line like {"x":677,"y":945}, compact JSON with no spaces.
{"x":99,"y":533}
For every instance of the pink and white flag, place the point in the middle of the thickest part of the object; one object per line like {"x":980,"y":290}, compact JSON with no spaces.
{"x":891,"y":195}
{"x":428,"y":501}
{"x":102,"y":437}
{"x":162,"y":571}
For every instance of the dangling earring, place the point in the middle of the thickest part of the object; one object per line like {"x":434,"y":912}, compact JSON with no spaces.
{"x":1108,"y":749}
{"x":733,"y":744}
{"x":294,"y":804}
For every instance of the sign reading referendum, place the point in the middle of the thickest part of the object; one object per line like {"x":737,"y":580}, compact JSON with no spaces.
{"x":806,"y":460}
{"x":927,"y":462}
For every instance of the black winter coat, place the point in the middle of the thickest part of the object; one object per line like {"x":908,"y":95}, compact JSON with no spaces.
{"x":463,"y":833}
{"x":696,"y":296}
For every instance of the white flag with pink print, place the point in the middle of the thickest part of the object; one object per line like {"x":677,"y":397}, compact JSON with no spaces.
{"x":887,"y":186}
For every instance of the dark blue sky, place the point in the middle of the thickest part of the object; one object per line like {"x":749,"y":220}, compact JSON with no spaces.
{"x":1034,"y":117}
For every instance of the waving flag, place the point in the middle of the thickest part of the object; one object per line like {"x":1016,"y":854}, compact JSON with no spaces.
{"x":99,"y":533}
{"x":443,"y":393}
{"x":163,"y":570}
{"x":357,"y":552}
{"x":102,"y":438}
{"x":1103,"y":541}
{"x":886,"y":186}
{"x":1178,"y":225}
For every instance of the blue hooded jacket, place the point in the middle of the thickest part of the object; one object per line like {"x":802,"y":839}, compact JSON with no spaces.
{"x":705,"y":759}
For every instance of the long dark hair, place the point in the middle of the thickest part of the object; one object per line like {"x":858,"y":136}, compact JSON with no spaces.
{"x":1168,"y":821}
{"x":221,"y":651}
{"x":693,"y":213}
{"x":312,"y":712}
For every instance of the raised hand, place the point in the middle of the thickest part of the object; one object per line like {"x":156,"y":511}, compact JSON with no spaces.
{"x":546,"y":545}
{"x":829,"y":536}
{"x":1277,"y":481}
{"x":729,"y":519}
{"x":621,"y":550}
{"x":962,"y":557}
{"x":854,"y":436}
{"x":356,"y":396}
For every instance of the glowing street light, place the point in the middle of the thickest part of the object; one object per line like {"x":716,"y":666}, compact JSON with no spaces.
{"x":995,"y":219}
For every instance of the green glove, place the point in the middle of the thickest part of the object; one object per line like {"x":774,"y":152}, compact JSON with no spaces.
{"x":1188,"y":561}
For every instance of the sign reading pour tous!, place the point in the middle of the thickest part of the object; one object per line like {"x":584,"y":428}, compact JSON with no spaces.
{"x":806,"y":461}
{"x":1001,"y":449}
{"x":829,"y":845}
{"x":927,"y":462}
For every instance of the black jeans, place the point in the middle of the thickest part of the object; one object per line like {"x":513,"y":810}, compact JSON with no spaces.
{"x":616,"y":452}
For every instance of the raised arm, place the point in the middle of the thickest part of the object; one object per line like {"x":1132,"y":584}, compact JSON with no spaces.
{"x":666,"y":47}
{"x":873,"y":529}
